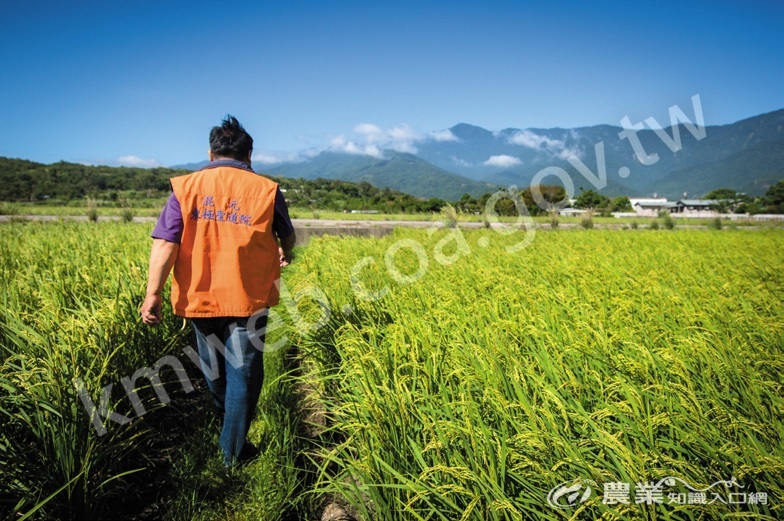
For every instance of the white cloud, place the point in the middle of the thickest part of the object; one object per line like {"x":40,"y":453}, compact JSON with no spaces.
{"x":137,"y":162}
{"x":403,"y":133}
{"x":566,"y":153}
{"x":368,"y":129}
{"x":346,"y":146}
{"x":461,"y":162}
{"x":556,"y":147}
{"x":443,"y":135}
{"x":400,"y":139}
{"x":530,"y":139}
{"x":274,"y":158}
{"x":366,"y":139}
{"x":402,"y":146}
{"x":267,"y":159}
{"x":372,"y":150}
{"x":372,"y":140}
{"x":503,"y":161}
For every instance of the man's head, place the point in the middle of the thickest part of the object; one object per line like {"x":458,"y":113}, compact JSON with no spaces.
{"x":231,"y":141}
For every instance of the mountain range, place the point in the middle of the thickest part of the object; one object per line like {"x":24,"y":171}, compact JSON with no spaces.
{"x":683,"y":158}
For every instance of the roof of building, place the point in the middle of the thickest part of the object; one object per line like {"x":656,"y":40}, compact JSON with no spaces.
{"x":698,"y":202}
{"x":646,"y":200}
{"x":657,"y":204}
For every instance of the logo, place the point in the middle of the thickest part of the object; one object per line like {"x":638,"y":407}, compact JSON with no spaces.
{"x":570,"y":494}
{"x":668,"y":491}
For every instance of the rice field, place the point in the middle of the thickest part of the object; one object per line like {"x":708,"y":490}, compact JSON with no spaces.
{"x":448,"y":375}
{"x":472,"y":388}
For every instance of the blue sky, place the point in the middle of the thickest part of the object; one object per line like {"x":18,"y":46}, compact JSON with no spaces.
{"x":141,"y":83}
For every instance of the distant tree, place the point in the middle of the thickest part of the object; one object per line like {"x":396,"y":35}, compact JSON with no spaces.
{"x":590,"y":200}
{"x":433,"y":205}
{"x":551,"y":194}
{"x":722,"y":193}
{"x":144,"y":181}
{"x":365,"y":188}
{"x":725,"y":199}
{"x":774,"y":198}
{"x":467,"y":204}
{"x":621,"y":204}
{"x":752,"y":207}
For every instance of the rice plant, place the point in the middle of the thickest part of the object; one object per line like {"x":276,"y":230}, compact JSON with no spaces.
{"x":474,"y":390}
{"x":70,"y":295}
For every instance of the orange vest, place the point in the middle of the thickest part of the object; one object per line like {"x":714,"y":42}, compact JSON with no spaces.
{"x":228,"y":263}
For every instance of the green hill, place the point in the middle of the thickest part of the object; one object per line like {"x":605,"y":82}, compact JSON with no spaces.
{"x":22,"y":180}
{"x":398,"y":171}
{"x":751,"y":171}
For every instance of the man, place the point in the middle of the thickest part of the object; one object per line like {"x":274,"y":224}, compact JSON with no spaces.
{"x":218,"y":231}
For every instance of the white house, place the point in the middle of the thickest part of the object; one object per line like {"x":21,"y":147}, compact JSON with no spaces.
{"x":571,"y":212}
{"x":652,"y":207}
{"x":697,"y":208}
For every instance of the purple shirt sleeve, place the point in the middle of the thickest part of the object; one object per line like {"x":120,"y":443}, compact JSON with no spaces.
{"x":281,"y":223}
{"x":169,"y":225}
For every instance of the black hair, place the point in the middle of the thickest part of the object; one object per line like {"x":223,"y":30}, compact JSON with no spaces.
{"x":230,"y":140}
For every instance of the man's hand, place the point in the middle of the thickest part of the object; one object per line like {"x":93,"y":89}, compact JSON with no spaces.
{"x":285,"y":259}
{"x":286,"y":249}
{"x":151,"y":310}
{"x":162,"y":258}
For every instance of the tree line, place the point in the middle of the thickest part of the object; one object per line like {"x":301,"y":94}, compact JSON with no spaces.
{"x":63,"y":182}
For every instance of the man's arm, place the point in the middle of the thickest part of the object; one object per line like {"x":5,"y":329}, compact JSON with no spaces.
{"x":287,"y":248}
{"x":284,"y":230}
{"x":162,"y":258}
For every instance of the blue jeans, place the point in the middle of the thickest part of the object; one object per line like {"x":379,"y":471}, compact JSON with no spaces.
{"x":234,"y":370}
